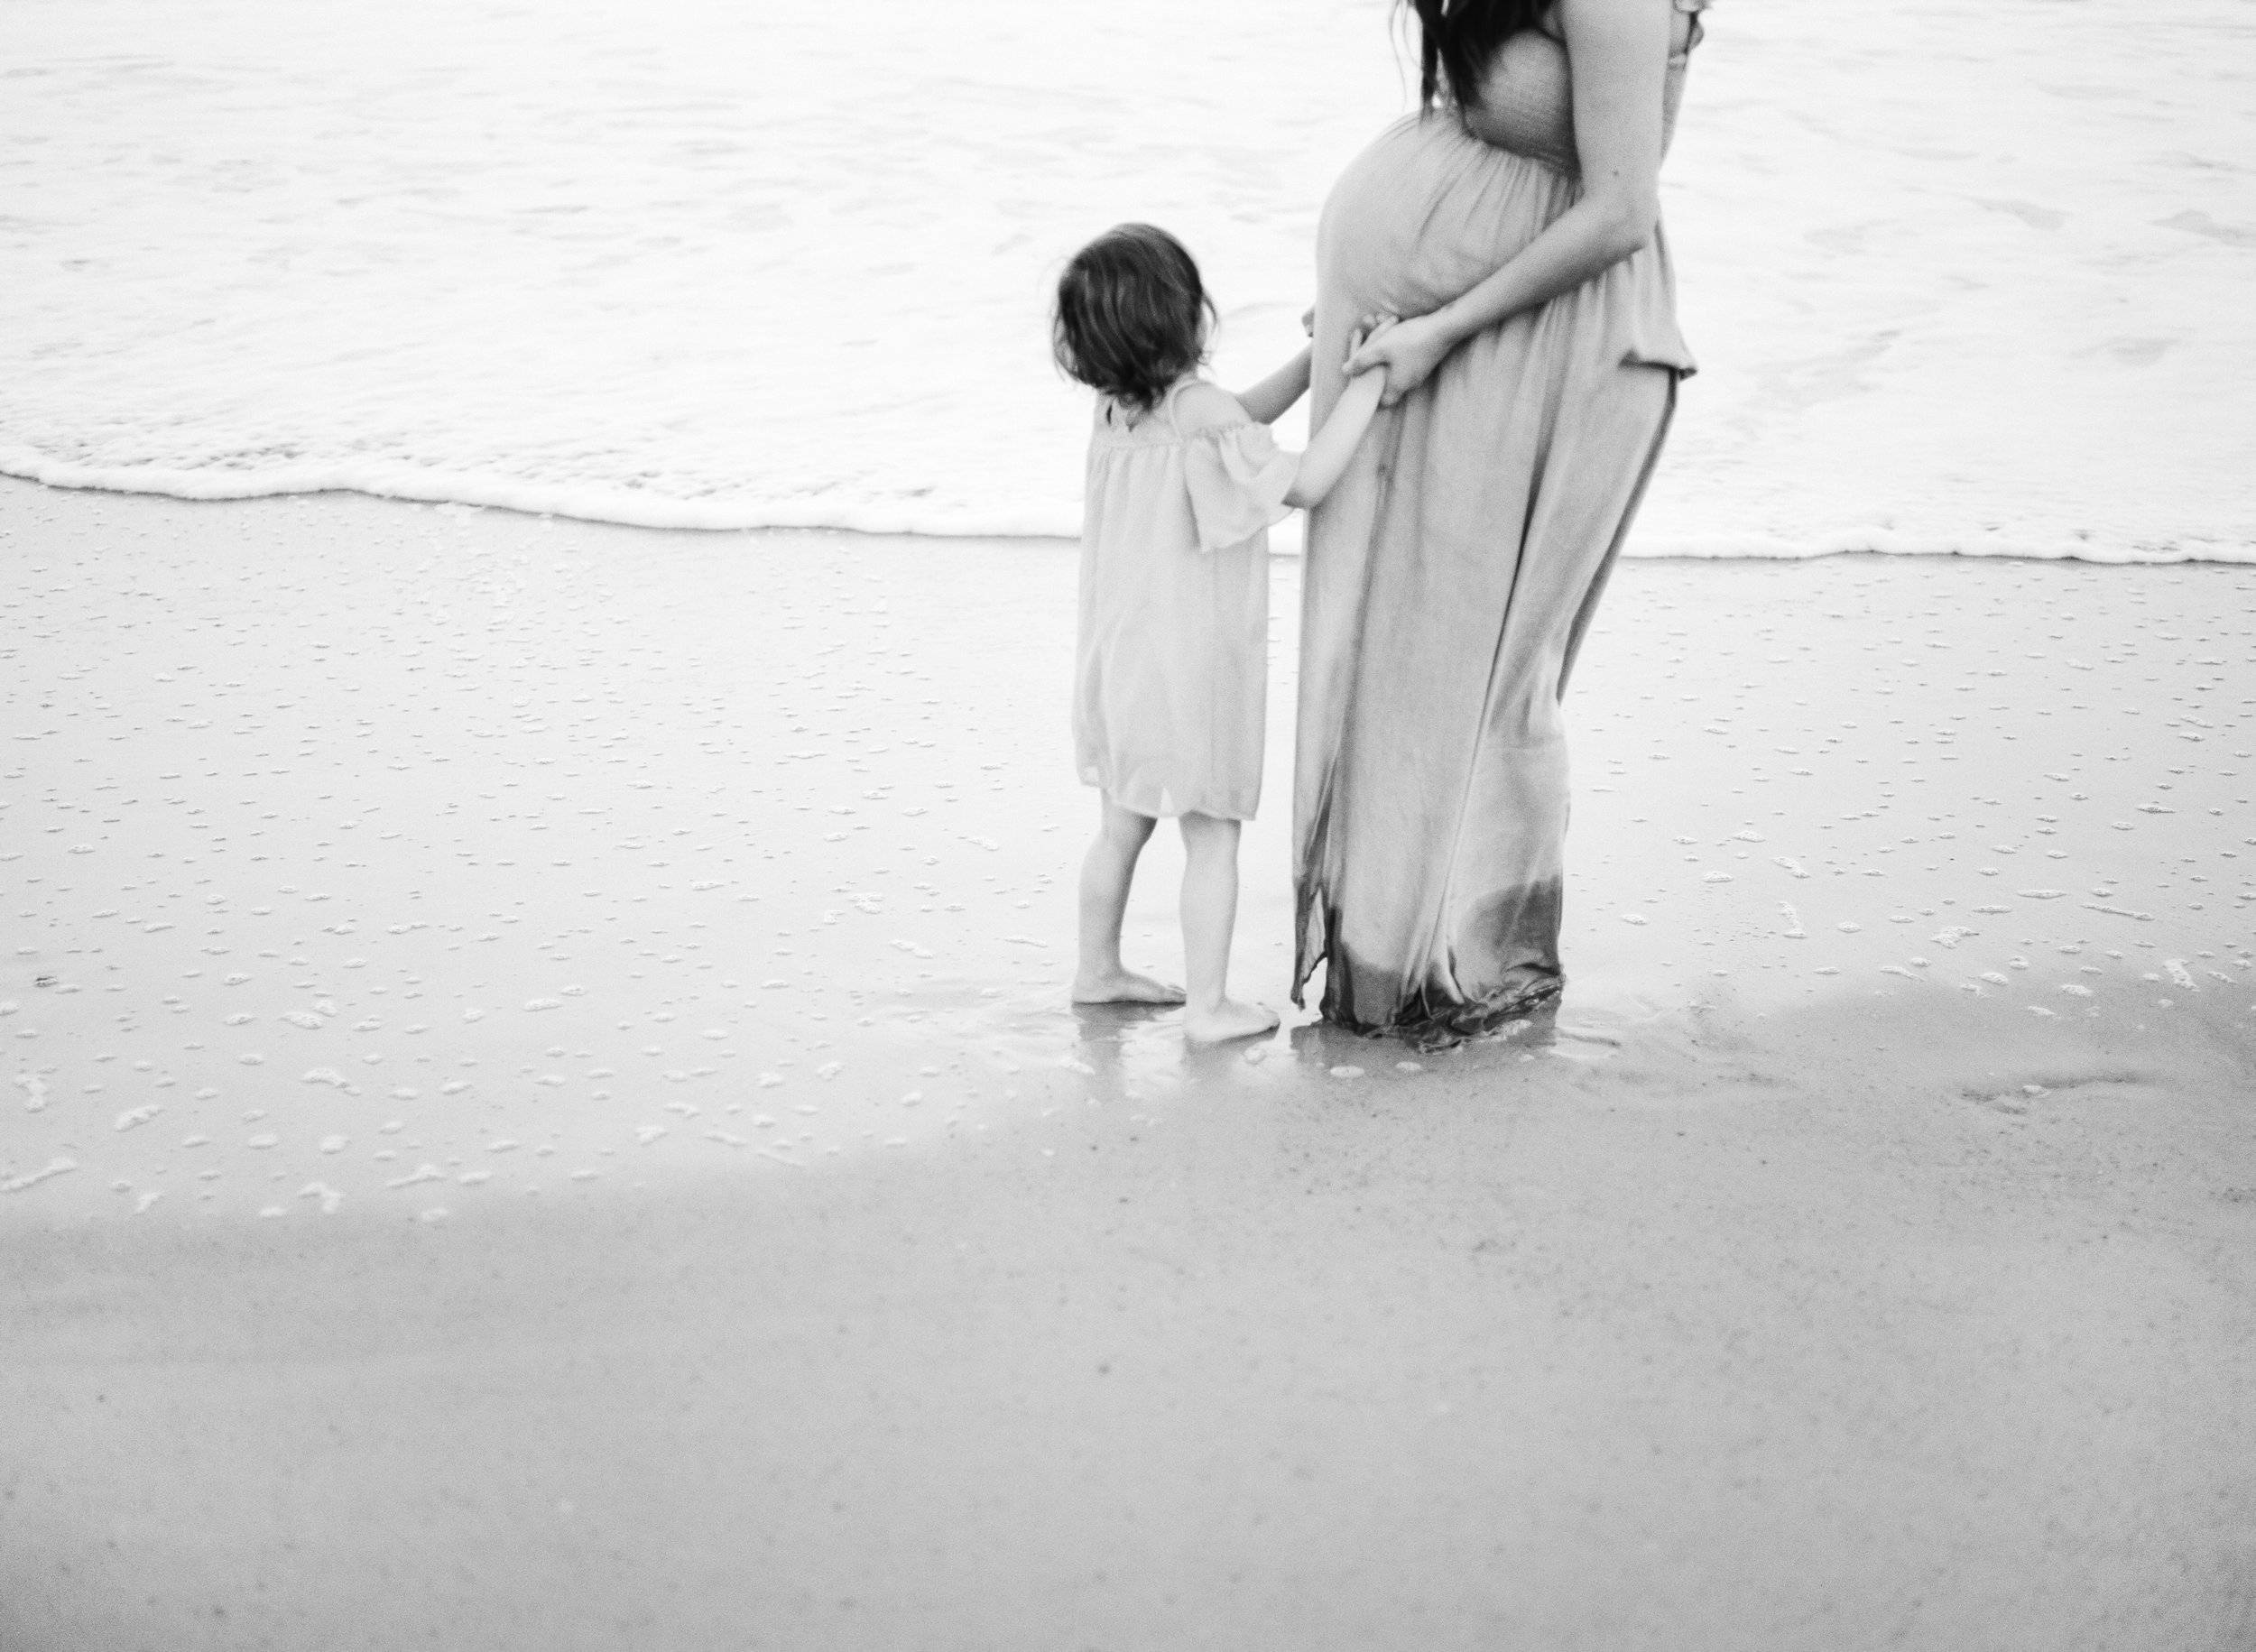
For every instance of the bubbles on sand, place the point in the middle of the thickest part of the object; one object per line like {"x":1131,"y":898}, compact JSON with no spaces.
{"x":671,"y":757}
{"x":54,"y":1167}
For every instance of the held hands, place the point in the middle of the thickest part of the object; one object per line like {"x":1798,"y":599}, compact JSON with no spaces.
{"x":1409,"y":351}
{"x":1378,"y":321}
{"x":1405,"y":351}
{"x":1371,"y":327}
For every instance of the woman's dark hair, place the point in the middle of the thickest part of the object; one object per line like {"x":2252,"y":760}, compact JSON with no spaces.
{"x":1457,"y":39}
{"x":1131,"y":314}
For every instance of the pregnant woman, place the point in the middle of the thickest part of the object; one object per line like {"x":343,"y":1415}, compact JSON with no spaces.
{"x":1451,"y":575}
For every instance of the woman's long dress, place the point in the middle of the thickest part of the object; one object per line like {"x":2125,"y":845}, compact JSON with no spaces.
{"x":1451,"y":575}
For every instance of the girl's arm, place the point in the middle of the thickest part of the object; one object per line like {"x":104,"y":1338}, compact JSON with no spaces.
{"x":1618,"y":54}
{"x":1267,"y":401}
{"x":1330,"y":448}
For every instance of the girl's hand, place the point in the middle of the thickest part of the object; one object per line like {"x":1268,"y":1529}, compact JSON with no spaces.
{"x":1408,"y":352}
{"x":1308,"y":321}
{"x":1370,"y":328}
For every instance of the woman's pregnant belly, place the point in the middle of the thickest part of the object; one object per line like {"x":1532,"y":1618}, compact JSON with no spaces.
{"x":1428,"y":211}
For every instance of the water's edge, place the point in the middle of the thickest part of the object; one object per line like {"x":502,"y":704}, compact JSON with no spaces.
{"x":630,"y":508}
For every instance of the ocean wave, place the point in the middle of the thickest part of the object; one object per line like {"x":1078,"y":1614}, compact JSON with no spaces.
{"x":1972,"y":289}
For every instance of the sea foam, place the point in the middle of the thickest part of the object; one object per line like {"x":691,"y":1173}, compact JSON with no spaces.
{"x":1964,"y":280}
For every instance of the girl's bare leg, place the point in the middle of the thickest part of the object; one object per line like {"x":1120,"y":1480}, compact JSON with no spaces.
{"x":1210,"y":912}
{"x":1105,"y":871}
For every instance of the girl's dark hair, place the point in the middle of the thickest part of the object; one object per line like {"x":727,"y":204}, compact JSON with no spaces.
{"x":1455,"y":41}
{"x":1131,"y":314}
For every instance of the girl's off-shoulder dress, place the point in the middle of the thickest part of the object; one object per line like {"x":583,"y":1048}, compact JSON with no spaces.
{"x":1172,"y":668}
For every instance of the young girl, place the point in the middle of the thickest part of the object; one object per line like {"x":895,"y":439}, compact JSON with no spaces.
{"x":1173,"y":663}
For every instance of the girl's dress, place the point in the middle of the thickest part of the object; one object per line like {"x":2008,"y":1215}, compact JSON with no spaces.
{"x":1452,"y":572}
{"x":1171,"y":677}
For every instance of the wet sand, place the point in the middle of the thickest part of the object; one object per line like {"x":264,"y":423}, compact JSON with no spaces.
{"x":543,"y":1113}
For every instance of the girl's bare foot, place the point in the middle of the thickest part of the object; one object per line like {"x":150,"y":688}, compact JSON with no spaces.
{"x":1123,"y":986}
{"x":1220,"y":1023}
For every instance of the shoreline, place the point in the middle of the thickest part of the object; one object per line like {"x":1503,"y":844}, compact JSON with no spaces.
{"x":1871,"y":1246}
{"x":659,"y":514}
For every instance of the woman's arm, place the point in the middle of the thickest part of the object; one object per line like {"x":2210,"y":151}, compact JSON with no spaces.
{"x":1618,"y":54}
{"x":1267,"y":402}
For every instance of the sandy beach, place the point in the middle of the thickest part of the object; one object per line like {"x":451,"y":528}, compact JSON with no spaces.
{"x":543,"y":1112}
{"x":541,"y":1105}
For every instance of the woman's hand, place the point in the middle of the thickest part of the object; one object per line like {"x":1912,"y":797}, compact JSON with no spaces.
{"x":1408,"y":351}
{"x":1363,"y":332}
{"x":1307,"y":320}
